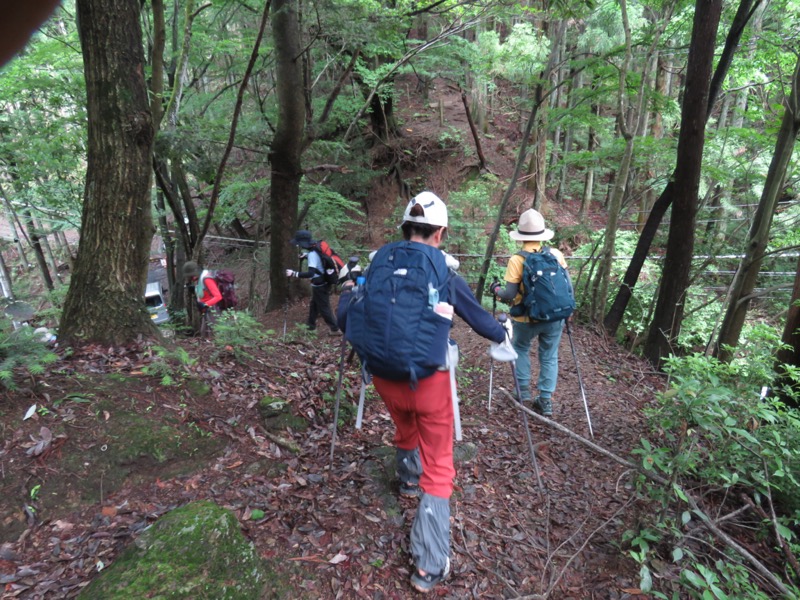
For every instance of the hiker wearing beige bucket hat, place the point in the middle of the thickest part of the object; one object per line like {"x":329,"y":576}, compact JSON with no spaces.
{"x":531,"y":231}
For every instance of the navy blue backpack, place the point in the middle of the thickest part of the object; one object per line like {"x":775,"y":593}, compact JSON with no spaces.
{"x":391,"y":322}
{"x":547,"y":293}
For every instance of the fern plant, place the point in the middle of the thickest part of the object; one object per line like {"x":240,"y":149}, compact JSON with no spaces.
{"x":235,"y":332}
{"x":21,"y":352}
{"x":170,"y":365}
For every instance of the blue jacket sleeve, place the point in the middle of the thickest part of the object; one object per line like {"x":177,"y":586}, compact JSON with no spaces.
{"x":474,"y":314}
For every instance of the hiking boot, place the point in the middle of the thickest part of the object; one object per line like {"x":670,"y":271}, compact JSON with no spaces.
{"x":543,"y":406}
{"x":425,"y":583}
{"x":336,"y":332}
{"x":410,"y":490}
{"x":524,"y":394}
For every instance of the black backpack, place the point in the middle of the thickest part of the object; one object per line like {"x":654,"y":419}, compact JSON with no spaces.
{"x":330,"y":270}
{"x":547,"y":293}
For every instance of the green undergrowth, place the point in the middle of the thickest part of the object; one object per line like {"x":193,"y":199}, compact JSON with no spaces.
{"x":717,"y":445}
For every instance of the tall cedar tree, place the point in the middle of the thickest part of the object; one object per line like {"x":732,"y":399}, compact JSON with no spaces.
{"x":666,"y":324}
{"x":287,"y":145}
{"x":105,"y":300}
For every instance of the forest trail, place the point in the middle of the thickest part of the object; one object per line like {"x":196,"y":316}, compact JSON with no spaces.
{"x":509,"y":537}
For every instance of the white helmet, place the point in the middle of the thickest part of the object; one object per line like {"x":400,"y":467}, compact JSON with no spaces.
{"x":435,"y":212}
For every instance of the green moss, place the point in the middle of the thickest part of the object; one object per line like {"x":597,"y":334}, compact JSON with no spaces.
{"x":272,"y":407}
{"x":197,"y":387}
{"x":196,"y":551}
{"x":278,"y":416}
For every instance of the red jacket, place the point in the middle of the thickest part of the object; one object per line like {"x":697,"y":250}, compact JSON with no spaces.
{"x":211,"y":294}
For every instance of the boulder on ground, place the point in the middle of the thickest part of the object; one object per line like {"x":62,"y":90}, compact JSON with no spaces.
{"x":196,"y":551}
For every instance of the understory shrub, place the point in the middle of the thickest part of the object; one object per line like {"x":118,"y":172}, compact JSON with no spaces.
{"x":714,"y":433}
{"x":22,"y":352}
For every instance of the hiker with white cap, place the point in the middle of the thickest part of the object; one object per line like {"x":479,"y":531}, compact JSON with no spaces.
{"x":531,"y":231}
{"x":399,"y":324}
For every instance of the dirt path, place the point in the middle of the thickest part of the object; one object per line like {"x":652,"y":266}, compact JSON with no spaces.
{"x":340,"y":530}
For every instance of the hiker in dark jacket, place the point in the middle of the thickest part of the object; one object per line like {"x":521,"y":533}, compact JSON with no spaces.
{"x":422,"y":409}
{"x":320,"y":288}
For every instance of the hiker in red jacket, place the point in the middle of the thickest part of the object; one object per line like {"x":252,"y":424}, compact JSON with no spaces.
{"x":207,"y":293}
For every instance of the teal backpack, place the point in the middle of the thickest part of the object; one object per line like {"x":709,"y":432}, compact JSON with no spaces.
{"x":547,"y":293}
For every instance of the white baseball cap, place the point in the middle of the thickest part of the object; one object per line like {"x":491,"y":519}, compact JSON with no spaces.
{"x":435,"y":212}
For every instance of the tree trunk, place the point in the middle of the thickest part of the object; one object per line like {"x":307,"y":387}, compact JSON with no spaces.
{"x":5,"y":279}
{"x":38,"y":251}
{"x":789,"y":353}
{"x":287,"y":145}
{"x":474,"y":131}
{"x":105,"y":299}
{"x":588,"y":181}
{"x":600,"y":284}
{"x":47,"y":250}
{"x":16,"y":226}
{"x":745,"y":279}
{"x":617,"y":310}
{"x":666,"y":324}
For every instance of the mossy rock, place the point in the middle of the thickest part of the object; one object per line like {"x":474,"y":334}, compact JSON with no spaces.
{"x":278,"y":416}
{"x":197,"y":387}
{"x":196,"y":551}
{"x":272,"y":407}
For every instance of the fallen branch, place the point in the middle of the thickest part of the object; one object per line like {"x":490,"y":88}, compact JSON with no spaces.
{"x":682,"y":493}
{"x":787,"y":551}
{"x":282,"y":442}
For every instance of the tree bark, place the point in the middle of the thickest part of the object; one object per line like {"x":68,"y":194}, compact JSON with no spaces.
{"x":666,"y":324}
{"x":5,"y":279}
{"x":474,"y":131}
{"x":105,"y":299}
{"x":745,"y":279}
{"x":287,"y":145}
{"x":38,"y":251}
{"x":616,"y":312}
{"x":789,"y":353}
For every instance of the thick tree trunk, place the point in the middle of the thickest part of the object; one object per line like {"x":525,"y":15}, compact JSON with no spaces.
{"x":666,"y":324}
{"x":745,"y":279}
{"x":105,"y":299}
{"x":617,"y":310}
{"x":287,"y":145}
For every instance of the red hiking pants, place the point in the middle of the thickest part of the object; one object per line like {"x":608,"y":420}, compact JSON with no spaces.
{"x":423,"y":418}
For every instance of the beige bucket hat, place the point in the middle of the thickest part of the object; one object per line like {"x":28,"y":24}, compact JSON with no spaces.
{"x":531,"y":228}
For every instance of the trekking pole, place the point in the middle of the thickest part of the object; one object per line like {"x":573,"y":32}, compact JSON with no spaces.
{"x":338,"y":396}
{"x":491,"y":360}
{"x":580,"y":381}
{"x":502,"y":318}
{"x":361,"y":395}
{"x":285,"y":313}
